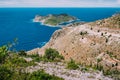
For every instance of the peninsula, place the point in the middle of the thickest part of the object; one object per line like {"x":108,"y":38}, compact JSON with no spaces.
{"x":54,"y":19}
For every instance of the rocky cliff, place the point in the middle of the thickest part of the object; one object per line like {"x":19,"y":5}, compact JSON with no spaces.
{"x":89,"y":44}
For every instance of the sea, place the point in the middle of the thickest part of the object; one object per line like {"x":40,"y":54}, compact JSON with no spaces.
{"x":17,"y":26}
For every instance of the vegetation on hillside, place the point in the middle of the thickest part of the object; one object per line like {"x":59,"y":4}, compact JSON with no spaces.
{"x":41,"y":75}
{"x":13,"y":67}
{"x":53,"y":55}
{"x":72,"y":65}
{"x":3,"y":53}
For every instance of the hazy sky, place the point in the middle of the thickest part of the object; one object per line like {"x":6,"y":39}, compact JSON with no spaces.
{"x":59,"y":3}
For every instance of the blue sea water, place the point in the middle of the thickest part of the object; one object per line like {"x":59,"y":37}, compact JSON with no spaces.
{"x":17,"y":23}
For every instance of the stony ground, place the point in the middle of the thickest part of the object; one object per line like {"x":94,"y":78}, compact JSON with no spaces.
{"x":59,"y":69}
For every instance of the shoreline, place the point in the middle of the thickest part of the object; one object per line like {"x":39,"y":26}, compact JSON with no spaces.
{"x":42,"y":23}
{"x":58,"y":25}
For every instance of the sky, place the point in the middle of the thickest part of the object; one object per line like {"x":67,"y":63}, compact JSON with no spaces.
{"x":59,"y":3}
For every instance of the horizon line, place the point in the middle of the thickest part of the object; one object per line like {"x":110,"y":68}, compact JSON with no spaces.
{"x":61,"y":7}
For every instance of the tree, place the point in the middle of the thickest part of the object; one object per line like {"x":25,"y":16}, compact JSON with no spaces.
{"x":52,"y":54}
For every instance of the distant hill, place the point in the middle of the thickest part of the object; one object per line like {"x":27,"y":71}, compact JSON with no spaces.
{"x":54,"y":19}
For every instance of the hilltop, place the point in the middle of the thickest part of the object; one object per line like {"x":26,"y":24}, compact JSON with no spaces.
{"x":112,"y":22}
{"x":54,"y":19}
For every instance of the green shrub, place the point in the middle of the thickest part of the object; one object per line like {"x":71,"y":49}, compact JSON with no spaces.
{"x":110,"y":54}
{"x":22,"y":53}
{"x":111,"y":72}
{"x":60,"y":57}
{"x":41,"y":75}
{"x":16,"y":61}
{"x":72,"y":65}
{"x":10,"y":74}
{"x":83,"y":33}
{"x":38,"y":58}
{"x":3,"y":53}
{"x":5,"y":73}
{"x":107,"y":72}
{"x":52,"y":54}
{"x":19,"y":76}
{"x":35,"y":57}
{"x":100,"y":68}
{"x":84,"y":69}
{"x":99,"y":60}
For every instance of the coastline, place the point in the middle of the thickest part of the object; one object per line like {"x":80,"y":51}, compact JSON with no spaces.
{"x":55,"y":20}
{"x":42,"y":23}
{"x":58,"y":25}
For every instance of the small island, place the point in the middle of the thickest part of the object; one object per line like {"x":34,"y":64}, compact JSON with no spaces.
{"x":54,"y":19}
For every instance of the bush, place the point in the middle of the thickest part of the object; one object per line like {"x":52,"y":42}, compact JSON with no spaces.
{"x":19,"y":76}
{"x":41,"y":75}
{"x":52,"y":54}
{"x":9,"y":74}
{"x":35,"y":57}
{"x":72,"y":65}
{"x":16,"y":61}
{"x":109,"y":53}
{"x":22,"y":53}
{"x":84,"y":69}
{"x":5,"y":73}
{"x":3,"y":53}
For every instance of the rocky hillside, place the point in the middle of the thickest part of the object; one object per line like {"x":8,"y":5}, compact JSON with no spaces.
{"x":95,"y":43}
{"x":59,"y":69}
{"x":112,"y":22}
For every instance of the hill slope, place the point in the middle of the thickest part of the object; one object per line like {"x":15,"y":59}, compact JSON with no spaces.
{"x":89,"y":44}
{"x":112,"y":22}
